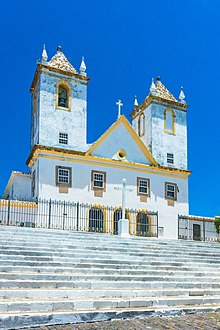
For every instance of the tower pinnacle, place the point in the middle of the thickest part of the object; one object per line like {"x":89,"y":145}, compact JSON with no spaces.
{"x":135,"y":105}
{"x":44,"y":56}
{"x":153,"y":87}
{"x":182,"y":96}
{"x":83,"y":67}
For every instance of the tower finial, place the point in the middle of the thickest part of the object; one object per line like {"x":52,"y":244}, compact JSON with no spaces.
{"x":83,"y":67}
{"x":44,"y":56}
{"x":182,"y":96}
{"x":135,"y":105}
{"x":153,"y":87}
{"x":59,"y":49}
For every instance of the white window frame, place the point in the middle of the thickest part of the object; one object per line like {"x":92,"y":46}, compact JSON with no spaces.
{"x":63,"y":138}
{"x":98,"y":177}
{"x":65,"y":170}
{"x":168,"y":190}
{"x":139,"y":186}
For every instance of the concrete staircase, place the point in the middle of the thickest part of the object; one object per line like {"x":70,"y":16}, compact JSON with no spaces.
{"x":57,"y":277}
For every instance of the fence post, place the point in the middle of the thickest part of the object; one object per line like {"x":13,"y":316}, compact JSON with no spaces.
{"x":77,"y":216}
{"x":157,"y":224}
{"x":204,"y":231}
{"x":49,"y":219}
{"x":64,"y":214}
{"x":9,"y":205}
{"x":178,"y":226}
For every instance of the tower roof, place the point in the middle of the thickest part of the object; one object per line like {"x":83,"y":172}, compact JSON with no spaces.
{"x":162,"y":92}
{"x":59,"y":61}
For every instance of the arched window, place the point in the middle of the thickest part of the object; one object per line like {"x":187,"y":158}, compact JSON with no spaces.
{"x":63,"y":95}
{"x":169,"y":121}
{"x":141,"y":125}
{"x":116,"y":218}
{"x":142,"y":224}
{"x":96,"y":220}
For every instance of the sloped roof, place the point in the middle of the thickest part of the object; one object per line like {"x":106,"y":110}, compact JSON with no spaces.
{"x":59,"y":61}
{"x":162,"y":91}
{"x":122,"y":120}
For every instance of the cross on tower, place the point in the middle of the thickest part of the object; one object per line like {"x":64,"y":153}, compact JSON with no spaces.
{"x":123,"y":190}
{"x":119,"y":104}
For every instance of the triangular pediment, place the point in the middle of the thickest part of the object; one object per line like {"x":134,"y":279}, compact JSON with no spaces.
{"x":121,"y":142}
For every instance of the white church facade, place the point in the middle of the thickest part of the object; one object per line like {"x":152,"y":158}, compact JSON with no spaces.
{"x":150,"y":152}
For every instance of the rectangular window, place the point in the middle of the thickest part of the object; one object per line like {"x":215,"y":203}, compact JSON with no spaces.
{"x":63,"y":176}
{"x":143,"y":186}
{"x":98,"y":180}
{"x":63,"y":138}
{"x":33,"y":183}
{"x":171,"y":191}
{"x":170,"y":158}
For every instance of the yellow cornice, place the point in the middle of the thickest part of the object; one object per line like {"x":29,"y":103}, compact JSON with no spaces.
{"x":131,"y":131}
{"x":52,"y":70}
{"x":158,"y":100}
{"x":74,"y":156}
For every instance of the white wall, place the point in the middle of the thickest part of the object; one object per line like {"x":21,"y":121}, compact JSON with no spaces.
{"x":81,"y":190}
{"x":20,"y":187}
{"x":52,"y":121}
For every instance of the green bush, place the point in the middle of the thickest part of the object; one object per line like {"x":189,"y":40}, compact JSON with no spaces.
{"x":217,"y":224}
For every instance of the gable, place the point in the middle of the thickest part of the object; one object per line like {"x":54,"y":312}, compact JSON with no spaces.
{"x":121,"y":139}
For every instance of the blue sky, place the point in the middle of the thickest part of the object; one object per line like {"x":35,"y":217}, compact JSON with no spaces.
{"x":125,"y":44}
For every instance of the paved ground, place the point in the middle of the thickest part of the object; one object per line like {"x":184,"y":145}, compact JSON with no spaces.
{"x":202,"y":321}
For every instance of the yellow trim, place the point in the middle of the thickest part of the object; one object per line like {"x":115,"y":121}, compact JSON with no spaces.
{"x":65,"y":85}
{"x":131,"y":131}
{"x":173,"y":121}
{"x":103,"y":209}
{"x":98,"y":161}
{"x":158,"y":100}
{"x":28,"y":205}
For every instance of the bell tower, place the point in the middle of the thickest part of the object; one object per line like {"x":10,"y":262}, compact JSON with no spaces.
{"x":160,"y":122}
{"x":59,"y":103}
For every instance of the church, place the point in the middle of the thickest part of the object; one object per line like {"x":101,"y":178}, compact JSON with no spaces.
{"x":148,"y":154}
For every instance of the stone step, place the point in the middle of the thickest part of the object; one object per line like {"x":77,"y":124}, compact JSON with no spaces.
{"x":85,"y":267}
{"x":118,"y":263}
{"x":129,"y":271}
{"x":41,"y":255}
{"x":105,"y":259}
{"x":135,"y":284}
{"x":45,"y":295}
{"x":117,"y":242}
{"x":103,"y":277}
{"x":67,"y":235}
{"x":103,"y":303}
{"x":21,"y":320}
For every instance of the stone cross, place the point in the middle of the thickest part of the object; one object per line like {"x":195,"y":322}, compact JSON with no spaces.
{"x":123,"y":190}
{"x":119,"y":104}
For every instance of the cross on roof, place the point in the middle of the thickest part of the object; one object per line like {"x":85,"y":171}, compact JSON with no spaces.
{"x":119,"y":104}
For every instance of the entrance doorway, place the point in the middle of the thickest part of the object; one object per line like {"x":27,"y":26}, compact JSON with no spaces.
{"x":196,"y":232}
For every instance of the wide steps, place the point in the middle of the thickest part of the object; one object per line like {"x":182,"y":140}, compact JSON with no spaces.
{"x":61,"y":276}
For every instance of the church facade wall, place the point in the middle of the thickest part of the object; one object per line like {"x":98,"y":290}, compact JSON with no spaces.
{"x":82,"y":191}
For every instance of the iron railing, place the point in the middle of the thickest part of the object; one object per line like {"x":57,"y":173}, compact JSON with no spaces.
{"x":196,"y":229}
{"x":76,"y":216}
